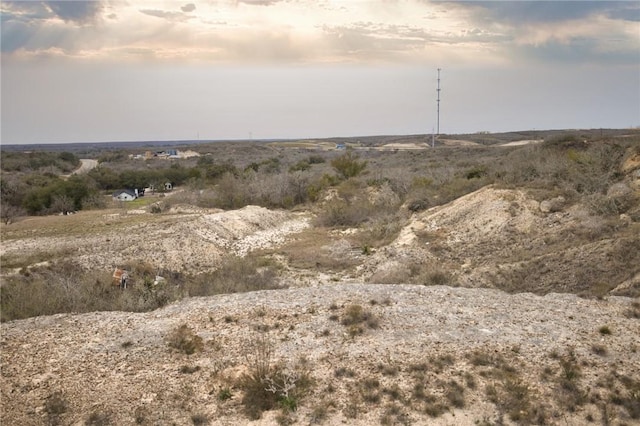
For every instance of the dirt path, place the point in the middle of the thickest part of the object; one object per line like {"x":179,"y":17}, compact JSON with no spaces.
{"x":86,"y":166}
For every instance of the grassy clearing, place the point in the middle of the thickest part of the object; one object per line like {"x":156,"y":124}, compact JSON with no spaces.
{"x":98,"y":221}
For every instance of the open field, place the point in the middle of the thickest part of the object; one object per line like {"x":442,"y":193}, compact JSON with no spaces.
{"x":474,"y":283}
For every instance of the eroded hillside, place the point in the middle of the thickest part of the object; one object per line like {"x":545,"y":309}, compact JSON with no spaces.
{"x":446,"y":298}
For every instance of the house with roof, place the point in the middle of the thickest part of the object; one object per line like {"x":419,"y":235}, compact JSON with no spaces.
{"x":125,"y":195}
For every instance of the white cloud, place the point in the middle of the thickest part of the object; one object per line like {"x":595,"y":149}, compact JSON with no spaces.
{"x":271,"y":31}
{"x":310,"y":68}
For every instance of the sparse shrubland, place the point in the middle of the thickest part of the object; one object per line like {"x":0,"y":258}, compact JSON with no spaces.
{"x":347,"y":165}
{"x":369,"y":216}
{"x":370,"y":194}
{"x":69,"y":287}
{"x":577,"y":169}
{"x":236,"y":275}
{"x":355,"y":318}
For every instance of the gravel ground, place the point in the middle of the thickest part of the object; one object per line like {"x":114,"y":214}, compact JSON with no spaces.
{"x":118,"y":364}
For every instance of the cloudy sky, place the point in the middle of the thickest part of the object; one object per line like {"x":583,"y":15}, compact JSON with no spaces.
{"x":83,"y":71}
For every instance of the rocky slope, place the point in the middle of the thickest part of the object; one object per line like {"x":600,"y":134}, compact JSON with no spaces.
{"x":503,"y":238}
{"x":185,"y":239}
{"x":435,"y":355}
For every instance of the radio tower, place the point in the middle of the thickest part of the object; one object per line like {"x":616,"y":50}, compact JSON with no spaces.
{"x":438,"y":119}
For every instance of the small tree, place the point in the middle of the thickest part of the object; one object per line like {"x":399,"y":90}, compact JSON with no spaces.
{"x":9,"y":212}
{"x":347,"y":165}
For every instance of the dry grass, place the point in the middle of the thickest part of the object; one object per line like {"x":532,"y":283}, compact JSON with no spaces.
{"x":316,"y":249}
{"x":356,"y":318}
{"x":185,"y":340}
{"x":236,"y":275}
{"x":269,"y":384}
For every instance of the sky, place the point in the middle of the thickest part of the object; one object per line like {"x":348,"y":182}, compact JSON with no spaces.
{"x":99,"y":71}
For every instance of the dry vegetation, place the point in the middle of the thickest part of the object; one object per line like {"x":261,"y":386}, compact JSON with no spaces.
{"x":302,"y":340}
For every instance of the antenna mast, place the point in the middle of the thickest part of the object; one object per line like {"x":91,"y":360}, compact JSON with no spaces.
{"x":438,"y":90}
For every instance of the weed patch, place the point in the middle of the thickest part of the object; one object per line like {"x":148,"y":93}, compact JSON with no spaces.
{"x":355,"y":318}
{"x":185,"y":340}
{"x":269,"y":385}
{"x":569,"y":392}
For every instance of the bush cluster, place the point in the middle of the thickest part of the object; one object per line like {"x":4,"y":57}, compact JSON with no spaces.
{"x":67,"y":287}
{"x":34,"y":161}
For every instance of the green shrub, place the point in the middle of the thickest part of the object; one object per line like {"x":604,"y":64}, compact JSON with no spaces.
{"x":348,"y":166}
{"x":344,"y":372}
{"x":634,"y":310}
{"x":316,"y":159}
{"x":300,"y":166}
{"x":604,"y":330}
{"x":437,"y":277}
{"x":187,"y":369}
{"x":199,"y":419}
{"x":455,"y":394}
{"x":630,"y":398}
{"x":418,"y":205}
{"x":475,"y":172}
{"x":599,"y":349}
{"x":370,"y":390}
{"x":354,"y":314}
{"x":225,"y":394}
{"x":99,"y":419}
{"x":339,"y":213}
{"x":355,"y":318}
{"x":569,"y":392}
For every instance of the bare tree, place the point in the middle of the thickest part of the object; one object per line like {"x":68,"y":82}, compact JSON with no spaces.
{"x":62,"y":204}
{"x":9,"y":212}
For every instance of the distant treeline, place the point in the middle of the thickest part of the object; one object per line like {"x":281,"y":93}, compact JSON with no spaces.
{"x":33,"y":183}
{"x":63,"y":162}
{"x":569,"y":165}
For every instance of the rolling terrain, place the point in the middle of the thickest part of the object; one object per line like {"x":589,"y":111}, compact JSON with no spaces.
{"x":504,"y":303}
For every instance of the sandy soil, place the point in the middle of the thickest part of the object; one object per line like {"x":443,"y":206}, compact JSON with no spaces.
{"x":520,"y":143}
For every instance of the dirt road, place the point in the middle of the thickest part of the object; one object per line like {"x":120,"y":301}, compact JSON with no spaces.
{"x":87,"y":164}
